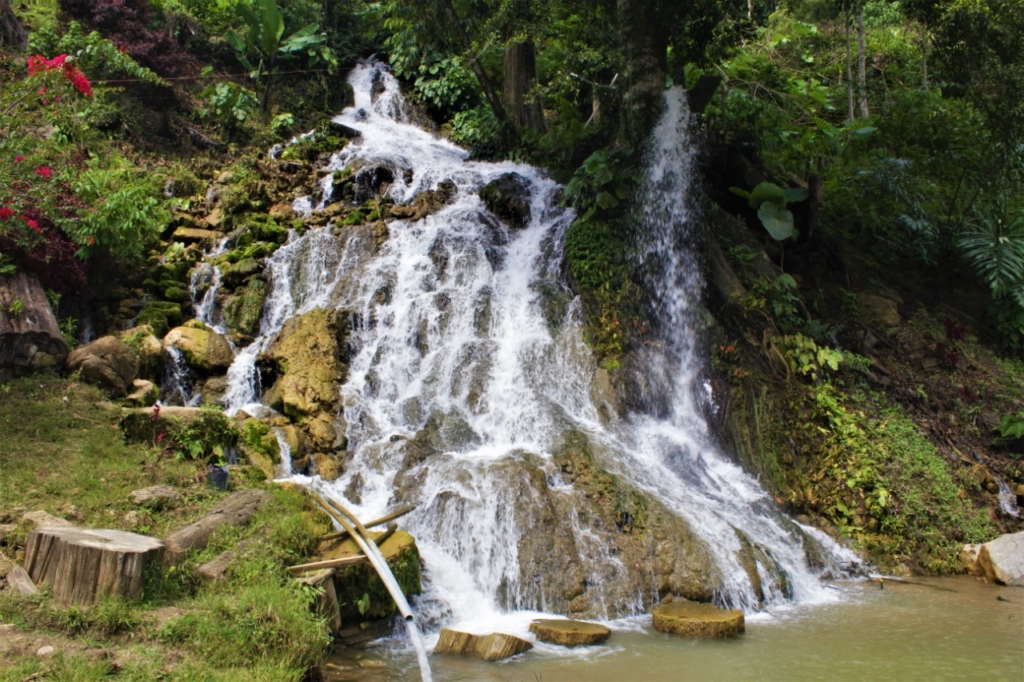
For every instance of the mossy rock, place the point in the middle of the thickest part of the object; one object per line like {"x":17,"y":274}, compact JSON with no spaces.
{"x":177,"y":294}
{"x":237,"y":273}
{"x":205,"y":349}
{"x":242,"y":312}
{"x":569,"y":632}
{"x":160,"y":316}
{"x":361,"y":593}
{"x":692,"y":619}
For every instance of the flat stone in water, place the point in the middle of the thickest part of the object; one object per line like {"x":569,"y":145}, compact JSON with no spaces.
{"x":569,"y":632}
{"x":492,"y":647}
{"x":692,"y":619}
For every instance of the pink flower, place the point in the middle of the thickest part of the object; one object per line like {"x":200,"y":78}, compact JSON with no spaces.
{"x":6,"y":214}
{"x":19,"y":158}
{"x":44,"y":171}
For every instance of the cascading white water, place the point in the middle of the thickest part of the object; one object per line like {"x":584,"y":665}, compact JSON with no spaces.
{"x":451,"y":327}
{"x":207,"y":277}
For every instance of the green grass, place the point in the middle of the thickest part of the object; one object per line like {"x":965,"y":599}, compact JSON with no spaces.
{"x":256,"y":624}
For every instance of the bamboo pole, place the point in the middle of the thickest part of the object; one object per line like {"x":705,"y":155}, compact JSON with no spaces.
{"x":377,"y":559}
{"x":330,"y":563}
{"x":397,"y":514}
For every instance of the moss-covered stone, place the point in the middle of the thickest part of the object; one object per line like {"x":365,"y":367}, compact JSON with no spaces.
{"x":242,"y":311}
{"x":177,"y":294}
{"x":307,"y":357}
{"x":205,"y":349}
{"x":160,"y":316}
{"x":259,"y":446}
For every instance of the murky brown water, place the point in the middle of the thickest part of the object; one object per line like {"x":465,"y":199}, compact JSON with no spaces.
{"x":953,"y":628}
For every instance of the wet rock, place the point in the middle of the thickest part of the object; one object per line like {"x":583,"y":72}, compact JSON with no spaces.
{"x":307,"y":357}
{"x":690,"y":619}
{"x":214,"y":390}
{"x":282,"y":211}
{"x":234,"y":274}
{"x":328,"y":467}
{"x":1002,"y":560}
{"x":569,"y":632}
{"x":427,"y":202}
{"x":371,"y":182}
{"x":205,"y":349}
{"x":508,"y":197}
{"x":242,"y":312}
{"x":455,"y":642}
{"x":107,"y":363}
{"x":156,"y":497}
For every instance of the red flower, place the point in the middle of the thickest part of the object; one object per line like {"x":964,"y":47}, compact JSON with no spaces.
{"x":19,"y":158}
{"x":90,"y":240}
{"x":31,"y":223}
{"x":42,"y":91}
{"x":6,"y":213}
{"x":44,"y":171}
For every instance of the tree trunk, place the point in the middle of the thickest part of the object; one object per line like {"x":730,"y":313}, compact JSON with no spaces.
{"x":849,"y":71}
{"x":643,"y":31}
{"x":12,"y":32}
{"x":81,"y":565}
{"x":30,"y":338}
{"x":237,"y":509}
{"x":862,"y":66}
{"x":924,"y":57}
{"x":490,"y":95}
{"x":520,"y":79}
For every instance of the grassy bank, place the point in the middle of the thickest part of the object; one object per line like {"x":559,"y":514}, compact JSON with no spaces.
{"x":68,"y":458}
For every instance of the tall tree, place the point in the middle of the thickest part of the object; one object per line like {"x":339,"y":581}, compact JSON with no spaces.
{"x":644,"y":32}
{"x":862,"y":66}
{"x":520,"y":81}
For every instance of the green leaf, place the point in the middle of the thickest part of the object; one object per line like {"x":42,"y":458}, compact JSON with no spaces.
{"x":768,"y":192}
{"x":778,"y":221}
{"x":865,"y":131}
{"x":795,"y":194}
{"x":607,"y":200}
{"x":740,"y":192}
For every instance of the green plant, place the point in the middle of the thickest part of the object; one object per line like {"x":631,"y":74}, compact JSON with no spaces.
{"x":265,"y":42}
{"x":281,"y":124}
{"x":1010,"y":429}
{"x":68,"y":330}
{"x":228,"y":104}
{"x":770,"y":200}
{"x":15,"y":307}
{"x":95,"y":55}
{"x":808,"y":358}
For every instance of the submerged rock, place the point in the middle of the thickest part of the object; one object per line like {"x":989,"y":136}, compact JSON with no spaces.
{"x":569,"y":632}
{"x":690,"y":619}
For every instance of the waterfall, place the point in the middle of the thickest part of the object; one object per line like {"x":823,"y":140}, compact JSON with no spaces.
{"x":469,"y":372}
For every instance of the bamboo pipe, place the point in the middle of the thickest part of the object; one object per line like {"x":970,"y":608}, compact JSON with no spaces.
{"x":376,"y":522}
{"x":377,"y":559}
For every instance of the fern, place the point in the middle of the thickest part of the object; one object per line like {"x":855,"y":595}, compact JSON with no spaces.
{"x":995,"y":247}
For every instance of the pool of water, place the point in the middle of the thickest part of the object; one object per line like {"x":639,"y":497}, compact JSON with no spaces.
{"x":951,"y":628}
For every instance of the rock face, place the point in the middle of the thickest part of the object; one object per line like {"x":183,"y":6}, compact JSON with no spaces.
{"x":690,"y":619}
{"x":307,"y":357}
{"x":493,"y":647}
{"x":569,"y":632}
{"x":30,"y":338}
{"x":205,"y":349}
{"x":427,"y":202}
{"x":1002,"y":560}
{"x":107,"y":363}
{"x":508,"y":197}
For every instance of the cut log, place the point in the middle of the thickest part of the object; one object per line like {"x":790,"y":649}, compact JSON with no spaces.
{"x":569,"y":632}
{"x":81,"y":565}
{"x":18,"y":579}
{"x":214,"y":569}
{"x":496,"y":646}
{"x":237,"y":510}
{"x":455,"y":642}
{"x":691,"y":619}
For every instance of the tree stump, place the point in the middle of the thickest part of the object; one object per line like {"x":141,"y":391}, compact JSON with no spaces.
{"x":81,"y":565}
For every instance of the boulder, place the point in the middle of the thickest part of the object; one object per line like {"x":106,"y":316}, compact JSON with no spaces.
{"x":107,"y":363}
{"x":30,"y":338}
{"x":879,"y":310}
{"x":156,"y":497}
{"x":143,"y":393}
{"x":508,"y":197}
{"x":214,"y":390}
{"x":189,"y":235}
{"x":147,"y":347}
{"x":427,"y":202}
{"x":692,"y":619}
{"x":569,"y":632}
{"x":242,"y":311}
{"x":307,"y":357}
{"x":969,"y":559}
{"x":205,"y":349}
{"x":1002,"y":560}
{"x":328,"y":467}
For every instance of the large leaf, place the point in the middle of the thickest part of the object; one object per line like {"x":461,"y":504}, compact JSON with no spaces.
{"x":768,"y":192}
{"x":795,"y":194}
{"x":778,"y":221}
